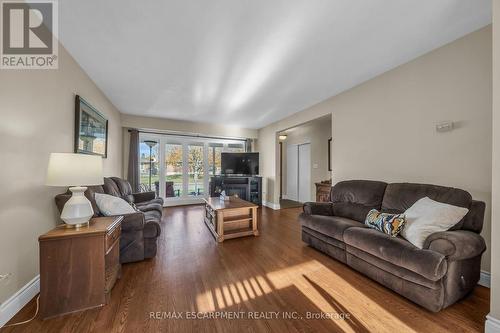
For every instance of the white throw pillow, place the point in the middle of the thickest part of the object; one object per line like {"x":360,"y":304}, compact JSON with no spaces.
{"x":427,"y":216}
{"x":110,"y":205}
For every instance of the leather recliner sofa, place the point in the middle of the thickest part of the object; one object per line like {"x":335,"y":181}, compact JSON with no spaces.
{"x":140,"y":230}
{"x":444,"y":271}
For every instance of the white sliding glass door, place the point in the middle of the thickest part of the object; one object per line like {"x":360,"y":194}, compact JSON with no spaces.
{"x":173,"y":170}
{"x":149,"y":164}
{"x":181,"y":166}
{"x":214,"y":158}
{"x":196,"y":166}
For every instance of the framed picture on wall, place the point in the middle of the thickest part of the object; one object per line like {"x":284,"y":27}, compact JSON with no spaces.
{"x":91,"y":129}
{"x":330,"y":154}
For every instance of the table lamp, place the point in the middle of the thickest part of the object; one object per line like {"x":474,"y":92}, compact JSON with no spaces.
{"x":67,"y":169}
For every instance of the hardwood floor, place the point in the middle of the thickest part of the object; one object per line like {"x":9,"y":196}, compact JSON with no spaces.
{"x":274,"y":272}
{"x":285,"y":203}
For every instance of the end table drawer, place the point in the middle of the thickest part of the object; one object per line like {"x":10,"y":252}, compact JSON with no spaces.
{"x":112,"y":236}
{"x":112,"y":266}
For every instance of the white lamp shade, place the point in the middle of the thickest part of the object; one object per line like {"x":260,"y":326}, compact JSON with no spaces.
{"x":67,"y":169}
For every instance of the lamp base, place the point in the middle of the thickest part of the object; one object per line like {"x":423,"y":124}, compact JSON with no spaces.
{"x":78,"y":210}
{"x":77,"y":226}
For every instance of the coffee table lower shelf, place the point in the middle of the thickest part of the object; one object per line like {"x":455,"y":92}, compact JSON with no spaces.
{"x":242,"y":232}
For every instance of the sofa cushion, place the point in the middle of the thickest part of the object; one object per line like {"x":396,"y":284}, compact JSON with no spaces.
{"x":111,"y":188}
{"x":395,"y":273}
{"x":318,"y":208}
{"x":397,"y":251}
{"x":399,"y":197}
{"x":330,"y":246}
{"x":124,"y":188}
{"x":428,"y":296}
{"x":324,"y":238}
{"x":353,"y":199}
{"x":331,"y":226}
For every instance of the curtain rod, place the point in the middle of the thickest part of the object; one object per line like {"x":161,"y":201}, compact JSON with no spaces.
{"x":190,"y":135}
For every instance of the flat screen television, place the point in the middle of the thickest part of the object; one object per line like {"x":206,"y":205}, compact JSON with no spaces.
{"x":240,"y":164}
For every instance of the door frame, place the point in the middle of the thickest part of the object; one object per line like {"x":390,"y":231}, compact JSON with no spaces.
{"x":295,"y":147}
{"x":281,"y":170}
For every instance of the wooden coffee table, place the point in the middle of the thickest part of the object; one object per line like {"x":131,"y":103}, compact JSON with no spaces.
{"x":230,"y":219}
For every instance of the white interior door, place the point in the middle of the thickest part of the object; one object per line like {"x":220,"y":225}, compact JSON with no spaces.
{"x":292,"y":171}
{"x":304,"y":172}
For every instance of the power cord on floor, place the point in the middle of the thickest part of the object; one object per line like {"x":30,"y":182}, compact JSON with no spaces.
{"x":27,"y":321}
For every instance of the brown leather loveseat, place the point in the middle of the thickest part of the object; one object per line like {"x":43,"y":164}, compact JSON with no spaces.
{"x":444,"y":271}
{"x":140,"y":230}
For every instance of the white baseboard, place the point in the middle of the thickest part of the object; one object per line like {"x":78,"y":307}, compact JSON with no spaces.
{"x":485,"y":279}
{"x":492,"y":325}
{"x":284,"y":196}
{"x":16,"y":302}
{"x":271,"y":205}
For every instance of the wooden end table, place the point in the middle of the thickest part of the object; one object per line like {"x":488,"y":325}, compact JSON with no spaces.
{"x":79,"y":266}
{"x":230,"y":219}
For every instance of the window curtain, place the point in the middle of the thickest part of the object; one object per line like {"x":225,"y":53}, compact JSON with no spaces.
{"x":133,"y":160}
{"x":248,"y":145}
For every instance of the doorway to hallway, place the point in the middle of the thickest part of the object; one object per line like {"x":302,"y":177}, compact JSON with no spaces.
{"x":298,"y":175}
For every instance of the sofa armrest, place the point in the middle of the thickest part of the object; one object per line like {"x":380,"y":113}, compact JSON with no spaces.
{"x":456,"y":245}
{"x":143,"y":196}
{"x":318,"y":208}
{"x":134,"y":221}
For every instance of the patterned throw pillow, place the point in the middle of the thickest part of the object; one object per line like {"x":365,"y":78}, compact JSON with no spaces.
{"x":390,"y":224}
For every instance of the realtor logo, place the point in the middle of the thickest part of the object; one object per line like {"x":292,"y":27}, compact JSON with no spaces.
{"x":29,"y":35}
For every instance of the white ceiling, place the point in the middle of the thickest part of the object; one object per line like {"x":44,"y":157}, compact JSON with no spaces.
{"x":250,"y":63}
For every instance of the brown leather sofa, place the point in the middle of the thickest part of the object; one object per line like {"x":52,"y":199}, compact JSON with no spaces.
{"x":440,"y":274}
{"x":139,"y":230}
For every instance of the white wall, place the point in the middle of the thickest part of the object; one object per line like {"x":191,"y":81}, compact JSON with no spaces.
{"x":384,"y":129}
{"x":37,"y":110}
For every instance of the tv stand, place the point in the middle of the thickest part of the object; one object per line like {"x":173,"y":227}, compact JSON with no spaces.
{"x":248,"y":188}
